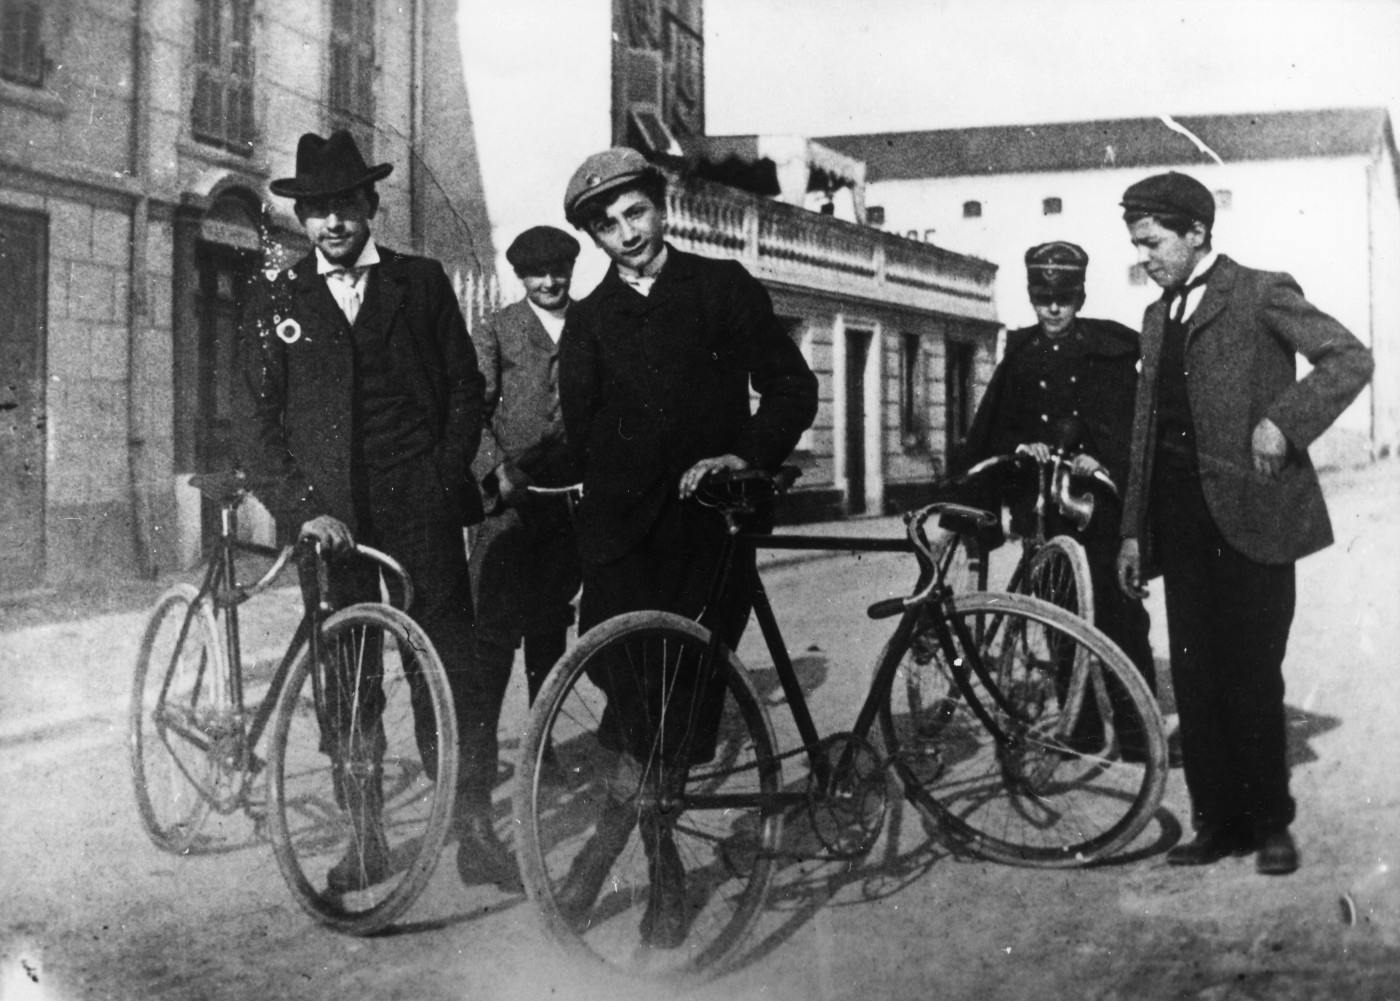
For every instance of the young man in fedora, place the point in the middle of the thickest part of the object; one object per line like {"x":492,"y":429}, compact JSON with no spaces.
{"x":361,"y":414}
{"x":656,"y":367}
{"x":1222,"y":501}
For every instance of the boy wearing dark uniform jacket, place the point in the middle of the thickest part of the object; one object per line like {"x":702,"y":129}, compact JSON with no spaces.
{"x":1069,"y":382}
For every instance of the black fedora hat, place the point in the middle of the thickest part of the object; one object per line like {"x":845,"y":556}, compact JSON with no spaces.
{"x":328,"y":167}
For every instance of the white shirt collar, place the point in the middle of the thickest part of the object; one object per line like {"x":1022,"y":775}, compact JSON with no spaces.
{"x":644,"y":280}
{"x":551,"y":320}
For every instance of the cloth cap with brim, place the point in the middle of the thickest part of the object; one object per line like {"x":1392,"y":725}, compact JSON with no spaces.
{"x":1059,"y":265}
{"x":1172,"y":193}
{"x":328,"y":167}
{"x":540,"y":246}
{"x":601,"y":173}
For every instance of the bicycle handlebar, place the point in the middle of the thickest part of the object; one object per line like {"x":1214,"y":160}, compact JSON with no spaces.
{"x":385,"y":561}
{"x":1024,"y":459}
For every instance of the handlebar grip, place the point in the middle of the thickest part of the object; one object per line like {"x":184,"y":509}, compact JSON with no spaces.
{"x":886,"y":608}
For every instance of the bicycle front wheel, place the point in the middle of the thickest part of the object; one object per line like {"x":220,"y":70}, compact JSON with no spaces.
{"x":363,"y":769}
{"x":1059,"y":573}
{"x":1077,"y":763}
{"x":603,"y":823}
{"x":180,"y":705}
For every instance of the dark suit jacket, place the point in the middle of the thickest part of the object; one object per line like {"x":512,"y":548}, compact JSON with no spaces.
{"x":1241,"y":366}
{"x":651,"y":384}
{"x":295,"y":358}
{"x":523,"y":427}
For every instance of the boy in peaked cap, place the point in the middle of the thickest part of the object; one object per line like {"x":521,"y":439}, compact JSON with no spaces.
{"x":1068,"y":383}
{"x":1222,"y":500}
{"x":524,"y":557}
{"x":656,"y":366}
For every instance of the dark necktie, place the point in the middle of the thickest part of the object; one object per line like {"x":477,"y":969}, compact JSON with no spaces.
{"x":1179,"y":313}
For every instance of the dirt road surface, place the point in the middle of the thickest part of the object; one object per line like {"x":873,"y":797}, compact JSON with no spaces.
{"x":92,"y":910}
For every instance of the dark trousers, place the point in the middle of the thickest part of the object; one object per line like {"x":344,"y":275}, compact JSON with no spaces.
{"x":525,"y":573}
{"x":670,"y":570}
{"x":1227,"y":619}
{"x":401,"y":512}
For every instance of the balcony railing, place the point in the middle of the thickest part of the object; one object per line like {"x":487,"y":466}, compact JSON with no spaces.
{"x":787,"y":245}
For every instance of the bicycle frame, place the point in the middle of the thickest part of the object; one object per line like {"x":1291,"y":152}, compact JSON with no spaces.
{"x":221,"y":587}
{"x":927,"y":603}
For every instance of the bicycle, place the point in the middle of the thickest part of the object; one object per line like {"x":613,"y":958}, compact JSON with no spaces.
{"x":1053,"y":567}
{"x":993,"y":769}
{"x":361,"y":722}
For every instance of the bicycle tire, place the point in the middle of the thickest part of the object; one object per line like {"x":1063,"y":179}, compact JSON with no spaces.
{"x":1059,"y":573}
{"x":1044,"y":800}
{"x":407,"y":764}
{"x":179,"y":696}
{"x":727,"y":850}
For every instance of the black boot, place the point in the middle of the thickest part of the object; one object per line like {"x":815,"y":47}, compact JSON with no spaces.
{"x":581,"y":885}
{"x":481,"y":857}
{"x":358,"y":775}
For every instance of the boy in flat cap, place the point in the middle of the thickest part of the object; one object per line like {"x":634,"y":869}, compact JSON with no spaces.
{"x":524,"y":557}
{"x":1068,"y":382}
{"x":1222,"y":500}
{"x":656,"y":366}
{"x":361,"y":412}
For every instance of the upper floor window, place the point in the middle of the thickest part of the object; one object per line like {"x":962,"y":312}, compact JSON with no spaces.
{"x":223,"y":68}
{"x":350,"y":85}
{"x":972,"y":210}
{"x":21,"y":42}
{"x":1051,"y":206}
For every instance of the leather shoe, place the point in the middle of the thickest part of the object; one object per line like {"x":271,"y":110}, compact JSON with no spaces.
{"x":365,"y":862}
{"x":482,"y":858}
{"x":1210,"y":845}
{"x":1278,"y":855}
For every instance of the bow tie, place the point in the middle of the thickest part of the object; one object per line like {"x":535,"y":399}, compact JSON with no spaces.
{"x":1182,"y":293}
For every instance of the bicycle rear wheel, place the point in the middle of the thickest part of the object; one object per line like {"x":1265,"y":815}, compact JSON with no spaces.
{"x":180,"y":704}
{"x":1047,"y":794}
{"x":1059,"y":573}
{"x":590,"y":816}
{"x":362,"y":785}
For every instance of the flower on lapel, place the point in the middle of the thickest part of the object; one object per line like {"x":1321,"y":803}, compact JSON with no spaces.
{"x":289,"y":330}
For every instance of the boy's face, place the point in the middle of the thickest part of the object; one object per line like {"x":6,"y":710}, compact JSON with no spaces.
{"x":548,"y":286}
{"x":1056,"y":309}
{"x":1167,"y":257}
{"x":630,"y":230}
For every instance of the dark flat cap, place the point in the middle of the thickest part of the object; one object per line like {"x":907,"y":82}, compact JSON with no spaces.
{"x":601,"y":173}
{"x":1059,"y":264}
{"x":328,"y":167}
{"x":539,"y":246}
{"x":1171,"y":193}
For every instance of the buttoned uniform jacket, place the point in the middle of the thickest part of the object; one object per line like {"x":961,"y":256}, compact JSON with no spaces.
{"x":652,"y":384}
{"x":1241,"y":366}
{"x":296,"y":359}
{"x":523,"y":426}
{"x":1104,"y":383}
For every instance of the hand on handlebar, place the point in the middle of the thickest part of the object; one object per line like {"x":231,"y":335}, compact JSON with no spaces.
{"x":1130,"y":569}
{"x":332,"y":533}
{"x":691,"y":478}
{"x":1037,"y":450}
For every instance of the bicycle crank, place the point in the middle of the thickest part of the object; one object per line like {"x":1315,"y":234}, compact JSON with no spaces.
{"x":847,"y":795}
